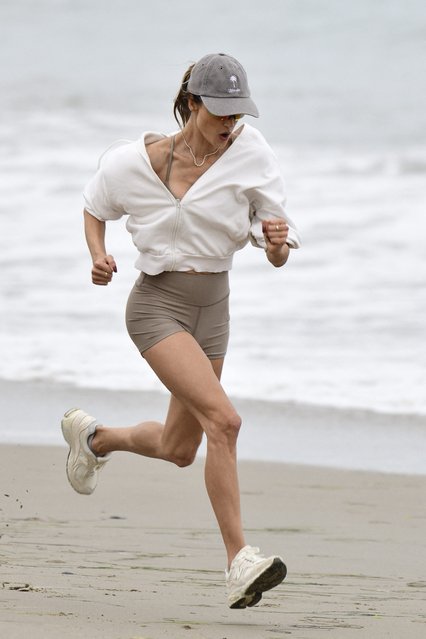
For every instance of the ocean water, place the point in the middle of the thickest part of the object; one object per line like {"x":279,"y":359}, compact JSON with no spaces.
{"x":340,"y":87}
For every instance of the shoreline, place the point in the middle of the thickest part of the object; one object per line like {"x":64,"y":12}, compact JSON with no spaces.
{"x":279,"y":432}
{"x":142,"y":557}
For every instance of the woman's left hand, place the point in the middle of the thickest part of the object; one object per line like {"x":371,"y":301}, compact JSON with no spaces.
{"x":275,"y":232}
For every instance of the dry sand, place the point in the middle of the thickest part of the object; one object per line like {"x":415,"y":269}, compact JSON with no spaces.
{"x":142,"y":557}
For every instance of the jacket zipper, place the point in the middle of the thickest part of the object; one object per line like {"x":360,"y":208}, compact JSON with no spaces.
{"x":175,"y":232}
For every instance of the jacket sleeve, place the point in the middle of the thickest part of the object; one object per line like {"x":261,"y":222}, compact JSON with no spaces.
{"x":268,"y":201}
{"x":102,"y":193}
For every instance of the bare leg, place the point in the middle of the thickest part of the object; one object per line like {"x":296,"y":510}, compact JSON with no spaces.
{"x":198,"y":404}
{"x":183,"y":367}
{"x":177,"y":440}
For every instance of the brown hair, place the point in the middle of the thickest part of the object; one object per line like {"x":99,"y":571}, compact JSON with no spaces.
{"x":181,"y":110}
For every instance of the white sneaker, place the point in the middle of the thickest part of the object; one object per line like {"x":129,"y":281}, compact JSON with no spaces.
{"x":250,"y":574}
{"x":82,"y":464}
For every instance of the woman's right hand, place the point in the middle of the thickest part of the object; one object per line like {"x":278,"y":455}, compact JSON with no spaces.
{"x":103,"y":269}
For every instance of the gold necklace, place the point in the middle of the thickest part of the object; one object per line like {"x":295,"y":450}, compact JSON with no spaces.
{"x":194,"y":159}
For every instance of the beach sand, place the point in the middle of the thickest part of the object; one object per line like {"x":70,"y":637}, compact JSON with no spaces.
{"x":142,"y":557}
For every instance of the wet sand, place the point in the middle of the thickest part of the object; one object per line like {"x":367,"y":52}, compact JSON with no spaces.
{"x":142,"y":558}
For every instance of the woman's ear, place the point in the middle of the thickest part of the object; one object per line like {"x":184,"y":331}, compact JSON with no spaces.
{"x":193,"y":105}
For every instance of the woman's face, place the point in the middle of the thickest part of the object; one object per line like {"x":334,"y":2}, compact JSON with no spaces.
{"x":214,"y":129}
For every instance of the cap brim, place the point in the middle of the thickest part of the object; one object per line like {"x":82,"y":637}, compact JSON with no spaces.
{"x":230,"y":106}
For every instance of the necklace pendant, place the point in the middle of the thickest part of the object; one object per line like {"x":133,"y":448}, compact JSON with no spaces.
{"x":194,"y":159}
{"x":199,"y":163}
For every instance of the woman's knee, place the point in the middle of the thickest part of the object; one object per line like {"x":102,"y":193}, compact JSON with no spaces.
{"x":224,"y":428}
{"x":182,"y":460}
{"x":183,"y":455}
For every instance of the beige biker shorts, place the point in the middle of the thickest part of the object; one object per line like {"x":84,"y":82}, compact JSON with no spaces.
{"x":174,"y":301}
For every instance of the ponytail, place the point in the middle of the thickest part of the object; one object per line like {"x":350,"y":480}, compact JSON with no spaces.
{"x":181,"y":110}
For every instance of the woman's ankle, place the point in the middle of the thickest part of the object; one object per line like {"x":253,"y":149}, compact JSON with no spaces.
{"x":95,"y":443}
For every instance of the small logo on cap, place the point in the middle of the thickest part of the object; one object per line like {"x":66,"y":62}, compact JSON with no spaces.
{"x":234,"y":81}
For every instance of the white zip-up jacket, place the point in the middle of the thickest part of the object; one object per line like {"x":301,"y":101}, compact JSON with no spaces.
{"x":217,"y":216}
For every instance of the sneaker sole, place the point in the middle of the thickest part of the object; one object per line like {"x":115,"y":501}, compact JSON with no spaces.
{"x":247,"y":601}
{"x":68,"y":438}
{"x":257,"y":597}
{"x":269,"y":579}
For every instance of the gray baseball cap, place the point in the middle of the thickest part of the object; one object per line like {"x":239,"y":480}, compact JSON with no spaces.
{"x":221,"y":83}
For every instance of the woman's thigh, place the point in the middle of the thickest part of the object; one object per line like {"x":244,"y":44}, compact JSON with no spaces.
{"x":193,"y":379}
{"x":182,"y":432}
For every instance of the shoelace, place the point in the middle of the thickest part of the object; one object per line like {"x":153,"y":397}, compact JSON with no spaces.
{"x":249,"y":556}
{"x":252,"y":555}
